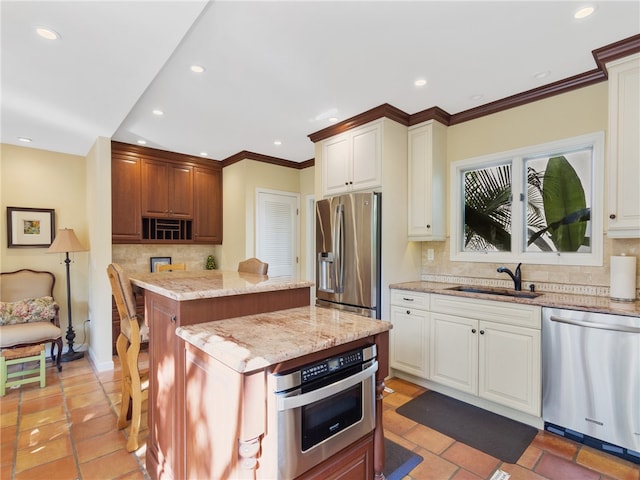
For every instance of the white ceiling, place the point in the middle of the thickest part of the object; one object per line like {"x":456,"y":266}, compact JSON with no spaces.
{"x":275,"y":70}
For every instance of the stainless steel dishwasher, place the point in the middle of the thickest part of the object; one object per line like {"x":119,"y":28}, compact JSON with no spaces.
{"x":591,"y":379}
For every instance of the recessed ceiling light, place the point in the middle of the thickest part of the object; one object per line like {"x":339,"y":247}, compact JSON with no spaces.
{"x":197,"y":68}
{"x":142,"y":142}
{"x":158,"y":112}
{"x":541,"y":75}
{"x":476,"y":97}
{"x":203,"y":154}
{"x":333,"y":119}
{"x":46,"y":32}
{"x":24,"y":139}
{"x":421,"y":82}
{"x":584,"y":12}
{"x":277,"y":142}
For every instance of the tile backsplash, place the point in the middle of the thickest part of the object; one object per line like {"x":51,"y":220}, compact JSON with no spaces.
{"x":583,"y":280}
{"x":136,"y":258}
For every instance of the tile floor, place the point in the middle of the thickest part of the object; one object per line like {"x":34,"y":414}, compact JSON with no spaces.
{"x":67,"y":430}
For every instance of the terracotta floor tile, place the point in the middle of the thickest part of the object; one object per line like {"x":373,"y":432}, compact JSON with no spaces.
{"x":463,"y":474}
{"x":396,"y":399}
{"x":612,"y":466}
{"x":36,"y":419}
{"x":9,"y":403}
{"x":63,"y":468}
{"x":87,"y":413}
{"x":84,"y":388}
{"x":557,"y":468}
{"x":402,"y":441}
{"x":473,"y":460}
{"x":113,"y":465}
{"x":407,"y":388}
{"x":559,"y":446}
{"x":5,"y":472}
{"x":95,"y":426}
{"x":31,"y":391}
{"x":430,"y":439}
{"x":94,"y":398}
{"x":41,"y":403}
{"x":530,"y":457}
{"x":30,"y":438}
{"x":9,"y":419}
{"x":397,"y":423}
{"x":28,"y":458}
{"x":517,"y":472}
{"x":7,"y":447}
{"x":95,"y":447}
{"x":433,"y":467}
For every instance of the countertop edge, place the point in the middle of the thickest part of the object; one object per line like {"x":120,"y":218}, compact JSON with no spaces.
{"x":585,"y":303}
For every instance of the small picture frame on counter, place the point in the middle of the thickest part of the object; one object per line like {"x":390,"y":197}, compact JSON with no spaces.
{"x":157,"y":261}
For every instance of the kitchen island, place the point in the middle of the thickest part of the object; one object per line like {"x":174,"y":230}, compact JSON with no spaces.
{"x":185,"y":400}
{"x":235,"y":435}
{"x":181,"y":298}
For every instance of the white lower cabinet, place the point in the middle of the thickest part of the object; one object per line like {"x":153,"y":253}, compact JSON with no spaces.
{"x":484,"y":348}
{"x":494,"y":351}
{"x":410,"y":333}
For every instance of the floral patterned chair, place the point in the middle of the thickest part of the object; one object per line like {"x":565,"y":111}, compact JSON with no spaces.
{"x":28,"y":312}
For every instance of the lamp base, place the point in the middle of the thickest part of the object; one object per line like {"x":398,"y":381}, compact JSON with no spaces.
{"x":71,"y":356}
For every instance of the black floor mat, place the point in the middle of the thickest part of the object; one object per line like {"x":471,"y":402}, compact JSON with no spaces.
{"x":398,"y":461}
{"x":488,"y":432}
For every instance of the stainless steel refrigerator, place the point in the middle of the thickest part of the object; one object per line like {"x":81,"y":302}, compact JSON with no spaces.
{"x":348,"y":253}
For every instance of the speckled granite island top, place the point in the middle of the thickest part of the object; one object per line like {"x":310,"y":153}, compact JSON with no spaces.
{"x":191,"y":285}
{"x":254,"y":342}
{"x":587,"y":303}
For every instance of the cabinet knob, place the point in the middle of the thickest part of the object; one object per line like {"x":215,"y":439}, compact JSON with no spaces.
{"x":408,"y":312}
{"x":428,"y":226}
{"x":612,"y":216}
{"x":173,"y":318}
{"x":473,"y":330}
{"x":346,"y":183}
{"x":350,"y":183}
{"x":481,"y":332}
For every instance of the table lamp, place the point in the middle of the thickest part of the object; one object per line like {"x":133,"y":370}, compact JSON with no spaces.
{"x":65,"y":242}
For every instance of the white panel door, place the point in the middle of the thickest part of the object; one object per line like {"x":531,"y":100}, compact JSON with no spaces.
{"x":277,"y":231}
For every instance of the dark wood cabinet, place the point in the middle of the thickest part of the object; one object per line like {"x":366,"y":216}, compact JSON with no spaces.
{"x":125,"y":199}
{"x":167,"y":189}
{"x":207,"y":202}
{"x":354,"y":462}
{"x":164,"y":197}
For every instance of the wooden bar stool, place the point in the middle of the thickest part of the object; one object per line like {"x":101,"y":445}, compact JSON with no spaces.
{"x":21,"y":355}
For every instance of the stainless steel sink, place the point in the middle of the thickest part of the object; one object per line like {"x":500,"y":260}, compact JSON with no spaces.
{"x":495,"y":291}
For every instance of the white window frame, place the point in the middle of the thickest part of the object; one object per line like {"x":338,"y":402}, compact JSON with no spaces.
{"x":516,"y":158}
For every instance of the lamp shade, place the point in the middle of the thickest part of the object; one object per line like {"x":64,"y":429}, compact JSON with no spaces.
{"x":66,"y":241}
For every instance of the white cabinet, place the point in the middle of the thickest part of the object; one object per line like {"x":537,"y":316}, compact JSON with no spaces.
{"x":427,"y":174}
{"x":487,"y":348}
{"x":352,"y":160}
{"x":410,"y":333}
{"x":624,"y":147}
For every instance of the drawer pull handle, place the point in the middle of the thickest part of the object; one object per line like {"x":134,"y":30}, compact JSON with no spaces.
{"x":407,"y":299}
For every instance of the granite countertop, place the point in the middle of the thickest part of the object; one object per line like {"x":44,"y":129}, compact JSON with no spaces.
{"x":257,"y":341}
{"x":587,"y":303}
{"x":192,"y":285}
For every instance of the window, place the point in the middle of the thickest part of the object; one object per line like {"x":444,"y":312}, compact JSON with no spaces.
{"x":540,"y":204}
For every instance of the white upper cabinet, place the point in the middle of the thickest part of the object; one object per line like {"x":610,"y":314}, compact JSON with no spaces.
{"x":352,"y":160}
{"x":624,"y":147}
{"x":427,"y":171}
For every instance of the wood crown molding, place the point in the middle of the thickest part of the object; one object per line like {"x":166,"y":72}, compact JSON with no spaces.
{"x":120,"y":148}
{"x":246,"y":155}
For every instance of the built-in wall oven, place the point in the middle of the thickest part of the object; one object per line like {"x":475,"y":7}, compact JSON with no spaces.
{"x":323,"y":408}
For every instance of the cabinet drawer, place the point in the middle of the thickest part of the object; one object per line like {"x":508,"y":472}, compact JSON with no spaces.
{"x":488,"y":310}
{"x":408,"y":298}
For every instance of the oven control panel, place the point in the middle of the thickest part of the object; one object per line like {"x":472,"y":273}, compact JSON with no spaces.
{"x":331,"y":365}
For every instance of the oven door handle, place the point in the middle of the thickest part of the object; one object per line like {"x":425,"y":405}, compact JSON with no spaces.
{"x":295,"y":401}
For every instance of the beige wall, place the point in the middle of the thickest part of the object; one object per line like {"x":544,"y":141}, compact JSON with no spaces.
{"x":240,"y":181}
{"x":562,"y":116}
{"x":42,"y":179}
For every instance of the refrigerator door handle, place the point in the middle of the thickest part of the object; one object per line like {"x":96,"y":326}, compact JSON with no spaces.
{"x":338,"y":249}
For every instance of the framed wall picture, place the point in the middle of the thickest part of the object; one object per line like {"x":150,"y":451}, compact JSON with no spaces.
{"x":30,"y":227}
{"x":156,"y":261}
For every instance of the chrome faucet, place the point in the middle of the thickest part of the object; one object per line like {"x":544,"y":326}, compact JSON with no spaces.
{"x":517,"y":278}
